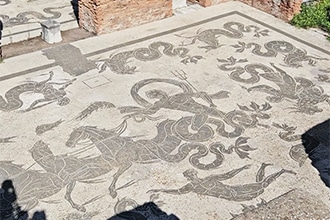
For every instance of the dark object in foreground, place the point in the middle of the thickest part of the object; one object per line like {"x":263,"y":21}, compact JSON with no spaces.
{"x":9,"y":209}
{"x":147,"y":211}
{"x":1,"y":28}
{"x":317,"y":145}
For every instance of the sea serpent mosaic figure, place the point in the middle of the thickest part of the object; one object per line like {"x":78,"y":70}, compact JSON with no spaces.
{"x":306,"y":94}
{"x":293,"y":57}
{"x":51,"y":94}
{"x":117,"y":63}
{"x":212,"y":185}
{"x":25,"y":17}
{"x":122,"y":151}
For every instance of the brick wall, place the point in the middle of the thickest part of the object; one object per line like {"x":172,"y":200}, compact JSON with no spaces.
{"x":284,"y":9}
{"x":104,"y":16}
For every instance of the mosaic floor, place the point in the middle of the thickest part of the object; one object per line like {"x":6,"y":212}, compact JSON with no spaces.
{"x":204,"y":114}
{"x":21,"y":18}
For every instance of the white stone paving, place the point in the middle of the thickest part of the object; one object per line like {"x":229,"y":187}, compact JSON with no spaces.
{"x":227,"y":84}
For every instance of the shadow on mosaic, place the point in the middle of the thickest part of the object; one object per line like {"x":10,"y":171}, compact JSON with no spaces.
{"x":146,"y":211}
{"x":317,"y":145}
{"x":9,"y":207}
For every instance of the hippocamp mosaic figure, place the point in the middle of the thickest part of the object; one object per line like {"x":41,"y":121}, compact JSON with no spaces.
{"x":122,"y":151}
{"x":45,"y":87}
{"x":212,"y":185}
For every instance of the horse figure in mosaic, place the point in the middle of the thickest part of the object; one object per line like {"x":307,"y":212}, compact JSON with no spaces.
{"x":30,"y":185}
{"x":122,"y":151}
{"x":70,"y":169}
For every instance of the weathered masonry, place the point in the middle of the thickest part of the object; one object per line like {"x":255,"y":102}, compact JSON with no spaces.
{"x":104,"y":16}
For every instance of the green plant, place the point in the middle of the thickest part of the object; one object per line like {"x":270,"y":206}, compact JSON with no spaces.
{"x":314,"y":14}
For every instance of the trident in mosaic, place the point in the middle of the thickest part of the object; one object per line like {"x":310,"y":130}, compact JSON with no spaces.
{"x":199,"y":94}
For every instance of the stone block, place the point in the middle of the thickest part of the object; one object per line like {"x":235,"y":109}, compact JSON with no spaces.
{"x":104,"y":16}
{"x":50,"y":31}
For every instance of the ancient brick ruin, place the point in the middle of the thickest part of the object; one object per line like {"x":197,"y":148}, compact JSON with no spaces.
{"x":284,"y":9}
{"x":104,"y":16}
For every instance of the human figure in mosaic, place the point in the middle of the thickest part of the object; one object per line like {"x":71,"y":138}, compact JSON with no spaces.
{"x":212,"y":185}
